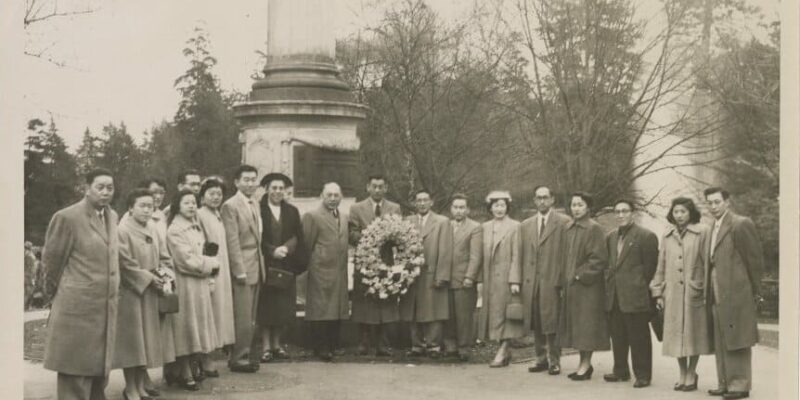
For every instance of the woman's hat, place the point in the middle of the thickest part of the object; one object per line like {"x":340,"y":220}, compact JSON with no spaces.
{"x":498,"y":195}
{"x":275,"y":176}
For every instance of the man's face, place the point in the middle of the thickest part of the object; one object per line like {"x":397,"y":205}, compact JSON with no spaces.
{"x":331,"y":196}
{"x":192,"y":182}
{"x":459,"y":209}
{"x":247,"y":183}
{"x":377,"y":189}
{"x":276,"y":192}
{"x":717,"y":204}
{"x":100,"y":191}
{"x":623,"y":214}
{"x":423,"y":203}
{"x":543,"y":199}
{"x":158,"y":194}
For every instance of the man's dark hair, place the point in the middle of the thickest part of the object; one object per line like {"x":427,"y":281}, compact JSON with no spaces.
{"x":629,"y":202}
{"x":185,"y":173}
{"x":242,"y":169}
{"x":376,"y":177}
{"x":549,"y":191}
{"x":459,"y":196}
{"x":135,"y":194}
{"x":715,"y":189}
{"x":426,"y":191}
{"x":97,"y":172}
{"x":145,"y":183}
{"x":694,"y":214}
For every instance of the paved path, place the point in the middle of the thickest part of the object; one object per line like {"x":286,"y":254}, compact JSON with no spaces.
{"x":352,"y":381}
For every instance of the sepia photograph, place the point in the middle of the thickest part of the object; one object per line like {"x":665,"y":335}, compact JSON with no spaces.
{"x":397,"y":199}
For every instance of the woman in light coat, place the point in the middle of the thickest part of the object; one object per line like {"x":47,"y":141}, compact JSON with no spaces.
{"x":678,"y":289}
{"x":584,"y":323}
{"x":193,"y":324}
{"x":138,"y":344}
{"x":500,"y":252}
{"x":211,"y":194}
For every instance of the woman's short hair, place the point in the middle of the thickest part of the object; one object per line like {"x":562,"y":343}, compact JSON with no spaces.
{"x":694,"y":214}
{"x":210,"y":184}
{"x":586,"y":197}
{"x":136,"y":194}
{"x":175,"y":204}
{"x":497,"y":200}
{"x":498,"y":195}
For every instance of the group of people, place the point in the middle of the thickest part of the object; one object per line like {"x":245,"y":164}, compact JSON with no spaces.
{"x":165,"y":288}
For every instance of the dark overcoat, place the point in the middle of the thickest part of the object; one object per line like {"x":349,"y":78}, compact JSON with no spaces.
{"x":584,"y":325}
{"x":326,"y":290}
{"x":539,"y":269}
{"x":628,"y":275}
{"x":739,"y":263}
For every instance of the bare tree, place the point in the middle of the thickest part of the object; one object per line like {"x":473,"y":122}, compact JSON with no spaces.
{"x":41,"y":12}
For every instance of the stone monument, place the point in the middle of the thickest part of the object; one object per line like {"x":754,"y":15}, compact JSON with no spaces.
{"x":301,"y":118}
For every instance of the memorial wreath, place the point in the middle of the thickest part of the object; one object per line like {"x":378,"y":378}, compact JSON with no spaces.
{"x":388,"y":257}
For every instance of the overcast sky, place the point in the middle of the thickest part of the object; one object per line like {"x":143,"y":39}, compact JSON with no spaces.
{"x":123,"y":58}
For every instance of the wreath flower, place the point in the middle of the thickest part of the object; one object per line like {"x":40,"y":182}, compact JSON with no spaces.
{"x":388,"y":257}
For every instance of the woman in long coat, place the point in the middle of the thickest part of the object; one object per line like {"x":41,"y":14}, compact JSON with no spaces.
{"x":211,"y":194}
{"x":678,"y":289}
{"x":283,"y":249}
{"x":500,"y":252}
{"x":193,"y":324}
{"x":138,"y":344}
{"x":584,"y":324}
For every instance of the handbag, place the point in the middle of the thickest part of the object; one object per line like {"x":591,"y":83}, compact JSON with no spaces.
{"x":279,"y":278}
{"x":657,"y":323}
{"x":168,"y":303}
{"x":514,"y":309}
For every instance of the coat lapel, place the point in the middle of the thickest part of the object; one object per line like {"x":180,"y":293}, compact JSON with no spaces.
{"x":627,"y":242}
{"x":95,"y":223}
{"x":548,"y":229}
{"x":429,"y":223}
{"x":460,"y":232}
{"x":724,"y":229}
{"x":503,"y":229}
{"x":251,"y":215}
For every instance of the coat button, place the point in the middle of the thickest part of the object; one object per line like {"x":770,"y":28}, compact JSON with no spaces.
{"x":681,"y":282}
{"x":680,"y":257}
{"x":680,"y":269}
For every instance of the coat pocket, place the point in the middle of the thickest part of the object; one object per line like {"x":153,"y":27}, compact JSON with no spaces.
{"x":696,"y":292}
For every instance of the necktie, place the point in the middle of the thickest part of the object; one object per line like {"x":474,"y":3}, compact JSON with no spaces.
{"x":714,"y":234}
{"x":541,"y":226}
{"x":102,"y":217}
{"x":378,"y":210}
{"x":336,"y":215}
{"x":620,"y":242}
{"x":256,"y":220}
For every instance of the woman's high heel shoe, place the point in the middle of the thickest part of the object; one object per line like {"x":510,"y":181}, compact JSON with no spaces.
{"x":186,"y":384}
{"x":692,"y":387}
{"x":502,"y":363}
{"x":585,"y":376}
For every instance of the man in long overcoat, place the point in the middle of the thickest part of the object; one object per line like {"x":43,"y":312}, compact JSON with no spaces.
{"x":325,"y":233}
{"x":633,"y":258}
{"x":426,"y":305}
{"x":732,"y":286}
{"x":81,"y":268}
{"x":459,"y":333}
{"x":242,"y":220}
{"x":372,"y":315}
{"x":542,"y":245}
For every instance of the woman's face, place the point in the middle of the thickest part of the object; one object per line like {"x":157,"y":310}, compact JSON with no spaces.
{"x":681,"y":215}
{"x":188,"y":206}
{"x":142,"y":209}
{"x":212,"y":198}
{"x":578,"y":207}
{"x":158,"y":194}
{"x":499,"y":209}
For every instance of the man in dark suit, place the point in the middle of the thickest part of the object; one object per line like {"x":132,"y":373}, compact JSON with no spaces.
{"x":188,"y":179}
{"x":732,"y":285}
{"x":633,"y":252}
{"x":372,"y":315}
{"x":467,"y":260}
{"x":542,"y":241}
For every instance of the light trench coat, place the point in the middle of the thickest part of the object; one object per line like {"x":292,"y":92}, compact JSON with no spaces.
{"x":500,"y":253}
{"x":139,"y":335}
{"x":222,"y":296}
{"x":193,"y":324}
{"x":679,"y":280}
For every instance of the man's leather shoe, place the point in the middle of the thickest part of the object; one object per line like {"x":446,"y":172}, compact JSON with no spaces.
{"x":415,"y":353}
{"x":245,"y":368}
{"x":451,"y":354}
{"x":363,"y":351}
{"x":736,"y":395}
{"x":383,"y":353}
{"x":435,"y":354}
{"x":539,"y":367}
{"x":616,"y":378}
{"x":640,"y":383}
{"x":554,"y":370}
{"x":717,"y":392}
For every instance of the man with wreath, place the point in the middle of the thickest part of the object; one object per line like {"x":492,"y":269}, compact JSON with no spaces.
{"x":372,"y":315}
